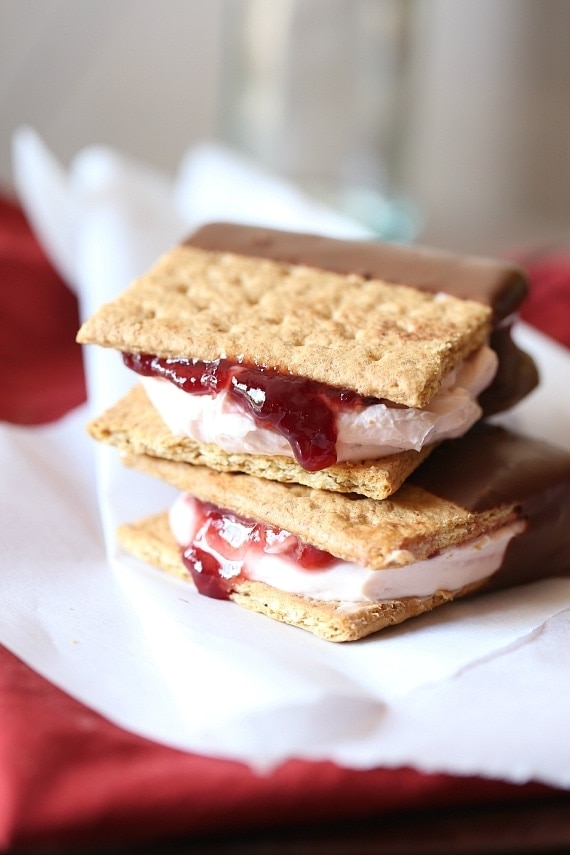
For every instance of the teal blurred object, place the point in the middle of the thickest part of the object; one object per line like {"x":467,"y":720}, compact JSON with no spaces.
{"x":319,"y":93}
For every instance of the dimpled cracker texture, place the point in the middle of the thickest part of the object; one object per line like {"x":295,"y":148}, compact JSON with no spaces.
{"x":388,"y":341}
{"x":133,"y":426}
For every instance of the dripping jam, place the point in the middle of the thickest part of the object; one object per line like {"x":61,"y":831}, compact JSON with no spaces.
{"x":301,"y":410}
{"x":225,"y":544}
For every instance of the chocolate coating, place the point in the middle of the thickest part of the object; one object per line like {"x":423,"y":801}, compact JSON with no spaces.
{"x":492,"y":467}
{"x":500,"y":285}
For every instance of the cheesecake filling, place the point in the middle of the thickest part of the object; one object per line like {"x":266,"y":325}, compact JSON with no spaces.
{"x":220,"y":549}
{"x":235,"y":418}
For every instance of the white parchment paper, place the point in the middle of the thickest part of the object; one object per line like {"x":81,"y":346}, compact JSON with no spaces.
{"x":479,"y":687}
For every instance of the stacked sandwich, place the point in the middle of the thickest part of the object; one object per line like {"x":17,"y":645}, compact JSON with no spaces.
{"x":319,"y":405}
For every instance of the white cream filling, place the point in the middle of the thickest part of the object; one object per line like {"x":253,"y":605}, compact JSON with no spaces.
{"x":450,"y":570}
{"x":371,"y":432}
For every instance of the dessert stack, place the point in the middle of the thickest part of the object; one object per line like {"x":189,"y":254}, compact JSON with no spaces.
{"x":320,"y":405}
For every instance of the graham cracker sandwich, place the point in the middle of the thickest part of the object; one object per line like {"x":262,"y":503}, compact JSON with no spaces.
{"x":486,"y":511}
{"x":300,"y":372}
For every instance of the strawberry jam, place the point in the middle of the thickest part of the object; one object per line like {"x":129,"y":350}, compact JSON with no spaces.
{"x":301,"y":410}
{"x":225,"y":544}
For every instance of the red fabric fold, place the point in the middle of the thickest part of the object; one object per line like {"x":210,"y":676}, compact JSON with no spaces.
{"x":548,"y":304}
{"x":41,"y":370}
{"x":68,"y":776}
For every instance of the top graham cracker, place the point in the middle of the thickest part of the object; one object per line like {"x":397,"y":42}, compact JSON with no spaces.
{"x":388,"y":341}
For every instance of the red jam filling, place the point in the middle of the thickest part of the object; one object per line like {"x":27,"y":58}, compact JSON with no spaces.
{"x":301,"y":410}
{"x":225,"y":543}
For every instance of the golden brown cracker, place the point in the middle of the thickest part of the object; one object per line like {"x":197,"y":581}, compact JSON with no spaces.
{"x":388,"y":341}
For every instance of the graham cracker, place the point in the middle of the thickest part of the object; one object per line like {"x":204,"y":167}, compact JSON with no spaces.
{"x":134,"y":426}
{"x":150,"y":540}
{"x":379,"y":339}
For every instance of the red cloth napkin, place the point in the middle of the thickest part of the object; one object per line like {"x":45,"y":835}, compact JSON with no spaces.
{"x":68,"y":776}
{"x":41,"y":371}
{"x":548,"y":304}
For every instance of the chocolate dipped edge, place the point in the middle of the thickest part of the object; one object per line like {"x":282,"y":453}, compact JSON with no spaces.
{"x":491,"y":467}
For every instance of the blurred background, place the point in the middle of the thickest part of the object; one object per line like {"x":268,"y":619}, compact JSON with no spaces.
{"x":446,"y":121}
